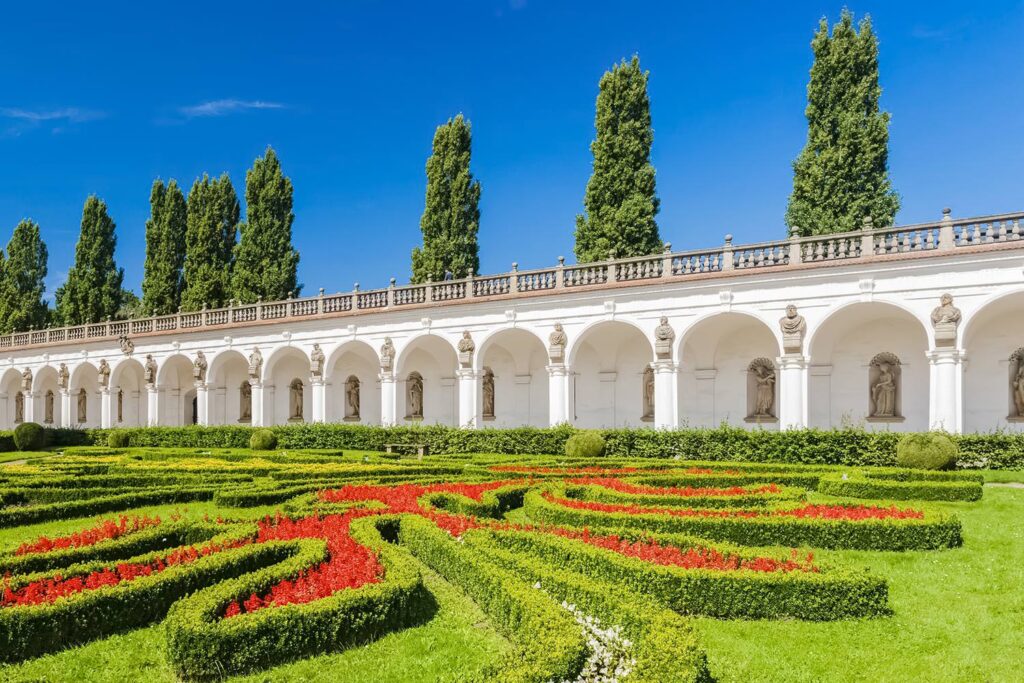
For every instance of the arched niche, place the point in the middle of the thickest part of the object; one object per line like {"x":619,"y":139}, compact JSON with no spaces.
{"x":992,"y":336}
{"x":885,"y":393}
{"x":352,"y":374}
{"x":518,"y":381}
{"x":47,"y":410}
{"x":130,"y":397}
{"x":283,"y":367}
{"x":433,"y":360}
{"x":228,"y":390}
{"x":608,"y":362}
{"x":85,"y":395}
{"x":176,"y":387}
{"x":762,"y":392}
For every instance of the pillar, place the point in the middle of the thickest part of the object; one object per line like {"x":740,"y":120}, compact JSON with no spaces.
{"x":65,"y":408}
{"x":558,"y":395}
{"x":468,"y":389}
{"x":30,"y":406}
{"x":388,"y":402}
{"x":257,"y":403}
{"x":319,"y":399}
{"x":152,"y":405}
{"x":792,"y":392}
{"x":106,"y":409}
{"x":666,"y":395}
{"x":202,"y":404}
{"x":945,"y":368}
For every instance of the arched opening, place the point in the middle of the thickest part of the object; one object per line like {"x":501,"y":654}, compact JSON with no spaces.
{"x":10,"y":387}
{"x":427,"y":390}
{"x":176,"y":387}
{"x":991,"y":338}
{"x":718,"y":380}
{"x":128,"y":388}
{"x":352,"y":384}
{"x":608,"y":364}
{"x":280,"y":401}
{"x":848,"y":378}
{"x":47,"y":397}
{"x":228,"y":390}
{"x":513,"y":379}
{"x":85,"y":396}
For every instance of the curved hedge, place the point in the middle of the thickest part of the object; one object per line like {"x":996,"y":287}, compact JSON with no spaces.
{"x":870,"y":486}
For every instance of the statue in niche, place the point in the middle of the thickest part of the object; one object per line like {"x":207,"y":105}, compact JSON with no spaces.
{"x":663,"y":337}
{"x":83,"y":406}
{"x":885,"y":370}
{"x":255,"y":365}
{"x":48,"y":408}
{"x":387,"y":355}
{"x":26,"y":379}
{"x":414,"y":395}
{"x":466,"y":348}
{"x":295,"y":400}
{"x":946,"y":318}
{"x":316,"y":363}
{"x":352,"y":398}
{"x":19,"y":407}
{"x":126,"y":344}
{"x":488,"y":394}
{"x":63,"y":376}
{"x":793,"y":328}
{"x":557,"y":342}
{"x":104,"y":373}
{"x":199,"y":366}
{"x":149,"y":370}
{"x":1017,"y":383}
{"x":762,"y":371}
{"x":120,"y":405}
{"x":245,"y":402}
{"x":648,"y":394}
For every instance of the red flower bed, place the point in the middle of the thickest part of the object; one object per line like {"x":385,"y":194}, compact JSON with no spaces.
{"x":852,"y":512}
{"x":105,"y":530}
{"x":524,"y":469}
{"x":686,"y":491}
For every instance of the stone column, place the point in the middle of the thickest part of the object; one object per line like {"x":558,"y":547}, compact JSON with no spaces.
{"x":666,"y":395}
{"x":468,"y":390}
{"x":202,"y":404}
{"x":106,"y":410}
{"x":792,"y":391}
{"x":30,"y":406}
{"x":388,"y":399}
{"x":319,"y":399}
{"x":257,"y":403}
{"x":65,"y":408}
{"x":558,"y":395}
{"x":152,"y":405}
{"x":945,"y":368}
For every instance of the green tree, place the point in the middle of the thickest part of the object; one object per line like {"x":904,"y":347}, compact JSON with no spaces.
{"x":266,"y":264}
{"x":22,"y":282}
{"x":165,"y":249}
{"x":451,"y":218}
{"x":620,"y":202}
{"x":92,"y":291}
{"x":131,"y":306}
{"x":213,"y":213}
{"x":842,"y":174}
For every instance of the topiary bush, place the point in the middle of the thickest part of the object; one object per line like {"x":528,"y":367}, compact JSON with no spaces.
{"x":28,"y":436}
{"x":263,"y":440}
{"x":119,"y":439}
{"x":926,"y":451}
{"x":585,"y":445}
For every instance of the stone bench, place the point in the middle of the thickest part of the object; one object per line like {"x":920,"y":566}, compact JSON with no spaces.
{"x":420,"y":448}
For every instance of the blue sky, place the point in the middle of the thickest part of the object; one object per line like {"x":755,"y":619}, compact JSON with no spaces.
{"x":103,"y":98}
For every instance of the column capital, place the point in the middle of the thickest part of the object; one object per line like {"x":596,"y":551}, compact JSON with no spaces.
{"x":942,"y":356}
{"x":557,"y":370}
{"x":256,"y":384}
{"x":792,"y":360}
{"x":465,"y":373}
{"x":664,"y":366}
{"x":386,"y":376}
{"x":105,"y":391}
{"x":200,"y":386}
{"x":316,"y":381}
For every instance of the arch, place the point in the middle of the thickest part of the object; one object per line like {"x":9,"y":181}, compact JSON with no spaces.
{"x":85,"y":376}
{"x":434,"y":359}
{"x":841,"y":348}
{"x":576,"y":339}
{"x":352,"y":358}
{"x":283,"y":366}
{"x":517,"y":359}
{"x":10,"y":385}
{"x":174,"y":384}
{"x":813,"y":330}
{"x":608,"y":360}
{"x":229,"y":395}
{"x":715,"y":354}
{"x":46,"y":397}
{"x":990,"y":335}
{"x":130,"y":398}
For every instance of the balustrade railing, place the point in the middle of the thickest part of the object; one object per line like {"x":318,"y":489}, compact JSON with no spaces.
{"x":947,"y":235}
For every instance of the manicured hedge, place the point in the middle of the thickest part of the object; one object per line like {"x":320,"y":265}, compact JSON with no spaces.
{"x":32,"y":514}
{"x":744,"y":500}
{"x":867,"y":486}
{"x":202,"y":645}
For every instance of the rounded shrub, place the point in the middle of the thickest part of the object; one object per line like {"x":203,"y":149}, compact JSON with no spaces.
{"x":28,"y":436}
{"x":118,"y":438}
{"x":585,"y":445}
{"x":263,"y":440}
{"x":926,"y":451}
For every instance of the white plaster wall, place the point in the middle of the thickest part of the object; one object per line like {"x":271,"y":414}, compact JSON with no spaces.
{"x":518,"y":360}
{"x":435,"y":359}
{"x":277,"y":388}
{"x":608,"y":368}
{"x":128,"y":377}
{"x":989,"y":340}
{"x":366,"y":369}
{"x":224,"y":387}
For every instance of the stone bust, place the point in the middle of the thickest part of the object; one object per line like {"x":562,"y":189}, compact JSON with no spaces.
{"x":793,"y":328}
{"x":946,"y":319}
{"x":255,"y":365}
{"x":126,"y":344}
{"x":199,"y":366}
{"x":663,"y":337}
{"x":104,"y":372}
{"x":557,"y":342}
{"x":149,"y":374}
{"x":387,"y":354}
{"x":316,"y":362}
{"x":466,"y":349}
{"x":26,"y":379}
{"x":63,"y":375}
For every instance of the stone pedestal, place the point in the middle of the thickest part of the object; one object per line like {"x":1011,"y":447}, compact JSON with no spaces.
{"x":152,"y":405}
{"x":106,"y":409}
{"x":792,"y":343}
{"x":319,"y":399}
{"x":946,"y":372}
{"x":666,"y":391}
{"x":468,"y":390}
{"x":558,"y":395}
{"x":945,"y":335}
{"x":202,"y":404}
{"x":258,"y":417}
{"x":792,"y":392}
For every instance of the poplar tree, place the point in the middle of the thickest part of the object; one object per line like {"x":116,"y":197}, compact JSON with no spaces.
{"x":842,"y":174}
{"x":92,"y":292}
{"x":22,"y":281}
{"x":451,"y":218}
{"x":213,"y":214}
{"x":266,"y":264}
{"x":620,"y":202}
{"x":165,"y":249}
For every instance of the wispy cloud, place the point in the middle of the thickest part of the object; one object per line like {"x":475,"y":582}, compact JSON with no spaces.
{"x":225,"y":107}
{"x":25,"y":119}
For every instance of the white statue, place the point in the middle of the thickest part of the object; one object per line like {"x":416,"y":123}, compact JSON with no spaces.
{"x":316,"y":362}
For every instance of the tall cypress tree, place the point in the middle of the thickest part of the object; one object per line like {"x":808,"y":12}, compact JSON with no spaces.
{"x":266,"y":264}
{"x":92,"y":291}
{"x":22,"y":282}
{"x":165,"y":249}
{"x":213,"y":214}
{"x":620,"y":202}
{"x":451,"y":218}
{"x":842,"y":175}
